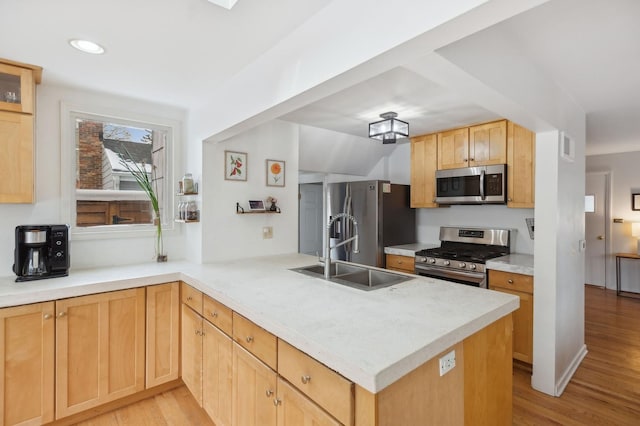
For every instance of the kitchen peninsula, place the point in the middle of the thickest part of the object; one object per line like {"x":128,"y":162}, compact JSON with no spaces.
{"x":387,"y":343}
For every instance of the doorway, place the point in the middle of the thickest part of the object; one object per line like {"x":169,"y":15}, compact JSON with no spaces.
{"x":310,"y":219}
{"x":597,"y":227}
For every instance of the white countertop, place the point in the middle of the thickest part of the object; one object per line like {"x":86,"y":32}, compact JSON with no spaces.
{"x":516,"y":263}
{"x":408,"y":249}
{"x":372,"y":338}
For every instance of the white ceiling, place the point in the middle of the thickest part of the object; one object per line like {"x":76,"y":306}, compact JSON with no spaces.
{"x":181,"y":50}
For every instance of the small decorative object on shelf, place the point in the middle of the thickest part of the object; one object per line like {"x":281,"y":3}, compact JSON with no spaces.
{"x":273,"y":202}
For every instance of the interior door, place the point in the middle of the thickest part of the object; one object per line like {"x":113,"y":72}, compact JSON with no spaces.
{"x":310,"y":219}
{"x":595,"y":228}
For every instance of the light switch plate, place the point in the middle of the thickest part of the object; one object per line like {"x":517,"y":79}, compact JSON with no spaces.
{"x":267,"y":232}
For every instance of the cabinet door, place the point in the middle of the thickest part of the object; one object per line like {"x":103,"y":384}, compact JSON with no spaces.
{"x":217,"y":374}
{"x":99,"y":349}
{"x":27,"y":364}
{"x":16,"y":158}
{"x":254,"y":390}
{"x":296,"y":409}
{"x":192,"y":352}
{"x":424,"y":162}
{"x":488,"y":144}
{"x":20,"y":82}
{"x":453,"y":149}
{"x":522,"y":326}
{"x":163,"y":333}
{"x":521,"y":154}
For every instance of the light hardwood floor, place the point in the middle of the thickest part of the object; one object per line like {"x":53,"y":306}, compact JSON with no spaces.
{"x":604,"y":391}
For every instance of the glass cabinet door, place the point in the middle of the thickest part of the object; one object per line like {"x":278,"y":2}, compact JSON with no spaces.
{"x":16,"y":89}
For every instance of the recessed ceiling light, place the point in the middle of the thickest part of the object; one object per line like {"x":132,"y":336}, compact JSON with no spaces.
{"x":227,"y":4}
{"x":87,"y":46}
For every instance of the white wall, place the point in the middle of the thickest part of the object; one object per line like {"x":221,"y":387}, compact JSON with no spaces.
{"x":48,"y":207}
{"x":227,"y":235}
{"x":624,"y":182}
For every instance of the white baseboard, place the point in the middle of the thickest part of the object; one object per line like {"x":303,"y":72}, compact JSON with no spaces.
{"x":568,"y":374}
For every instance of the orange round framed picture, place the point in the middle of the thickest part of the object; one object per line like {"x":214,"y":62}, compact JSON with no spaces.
{"x":275,"y":173}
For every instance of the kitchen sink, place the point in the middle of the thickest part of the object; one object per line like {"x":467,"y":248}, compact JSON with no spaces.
{"x":356,"y":276}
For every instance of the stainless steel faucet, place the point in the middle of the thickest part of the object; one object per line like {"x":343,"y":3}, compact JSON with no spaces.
{"x":327,"y":252}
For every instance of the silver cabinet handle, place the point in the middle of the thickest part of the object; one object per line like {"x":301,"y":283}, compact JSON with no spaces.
{"x":61,"y":314}
{"x":47,"y":316}
{"x":249,"y":339}
{"x":276,"y":401}
{"x":305,"y":379}
{"x":214,"y":314}
{"x":269,"y":392}
{"x":510,"y":281}
{"x":189,"y":299}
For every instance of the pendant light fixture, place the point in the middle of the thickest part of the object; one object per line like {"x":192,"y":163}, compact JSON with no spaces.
{"x":389,"y":128}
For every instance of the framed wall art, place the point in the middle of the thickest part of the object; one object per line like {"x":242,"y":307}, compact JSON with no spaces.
{"x":235,"y":165}
{"x":635,"y":201}
{"x":275,"y":173}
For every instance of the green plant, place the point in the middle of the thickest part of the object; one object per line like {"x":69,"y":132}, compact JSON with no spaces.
{"x":148,"y":185}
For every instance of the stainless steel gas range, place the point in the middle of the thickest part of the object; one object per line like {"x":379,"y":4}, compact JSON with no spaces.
{"x":462,"y":254}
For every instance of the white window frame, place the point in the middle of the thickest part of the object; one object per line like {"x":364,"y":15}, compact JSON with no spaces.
{"x":68,"y":115}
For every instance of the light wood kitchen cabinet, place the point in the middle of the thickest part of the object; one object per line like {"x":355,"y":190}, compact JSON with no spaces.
{"x":100,"y":349}
{"x":191,"y":297}
{"x":254,"y":390}
{"x":453,"y":149}
{"x":480,"y":145}
{"x":424,"y":163}
{"x":17,"y":108}
{"x":521,"y":155}
{"x":488,"y":144}
{"x":256,"y":340}
{"x":399,"y":263}
{"x":295,"y":409}
{"x":324,"y":386}
{"x":27,"y":364}
{"x":163,"y":334}
{"x":521,"y":286}
{"x":207,"y":359}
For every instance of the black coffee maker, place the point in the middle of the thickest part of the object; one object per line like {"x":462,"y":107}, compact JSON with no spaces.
{"x":41,"y":251}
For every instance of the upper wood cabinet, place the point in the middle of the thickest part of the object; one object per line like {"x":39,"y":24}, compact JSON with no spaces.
{"x":488,"y":144}
{"x":99,"y":349}
{"x":27,"y":364}
{"x":17,"y":107}
{"x":480,"y":145}
{"x":453,"y":149}
{"x":521,"y":155}
{"x":424,"y":163}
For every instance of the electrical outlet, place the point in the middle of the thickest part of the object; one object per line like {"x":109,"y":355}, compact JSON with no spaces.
{"x":447,"y":362}
{"x":267,"y":232}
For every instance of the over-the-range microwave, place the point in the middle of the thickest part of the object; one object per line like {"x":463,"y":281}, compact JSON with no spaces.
{"x":472,"y":185}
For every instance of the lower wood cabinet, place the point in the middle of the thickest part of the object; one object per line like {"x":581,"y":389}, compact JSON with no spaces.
{"x":100,"y":349}
{"x":207,"y":364}
{"x":401,"y":263}
{"x":163,"y":334}
{"x":295,"y":409}
{"x":27,"y":364}
{"x":521,"y":286}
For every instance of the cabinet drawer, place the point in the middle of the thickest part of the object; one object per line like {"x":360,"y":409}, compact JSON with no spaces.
{"x":191,"y":297}
{"x":402,"y":263}
{"x":256,"y":340}
{"x":511,"y":281}
{"x":217,"y":314}
{"x":327,"y":388}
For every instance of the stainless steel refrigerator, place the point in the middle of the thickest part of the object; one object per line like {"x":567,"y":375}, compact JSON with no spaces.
{"x":383,"y":215}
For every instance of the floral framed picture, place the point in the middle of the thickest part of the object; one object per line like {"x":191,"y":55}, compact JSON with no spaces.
{"x":275,"y":173}
{"x":235,"y":165}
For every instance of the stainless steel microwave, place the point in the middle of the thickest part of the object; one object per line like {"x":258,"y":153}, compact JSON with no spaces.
{"x":472,"y":185}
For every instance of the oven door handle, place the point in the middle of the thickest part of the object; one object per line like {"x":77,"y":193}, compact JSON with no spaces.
{"x":449,"y":273}
{"x":482,"y":194}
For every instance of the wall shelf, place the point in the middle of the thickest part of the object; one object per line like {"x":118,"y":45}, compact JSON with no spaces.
{"x":186,"y":221}
{"x":240,"y":210}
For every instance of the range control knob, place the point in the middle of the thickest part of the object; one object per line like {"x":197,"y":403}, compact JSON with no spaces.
{"x":447,"y":263}
{"x":472,"y":266}
{"x":422,"y":259}
{"x":462,"y":265}
{"x":432,"y":260}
